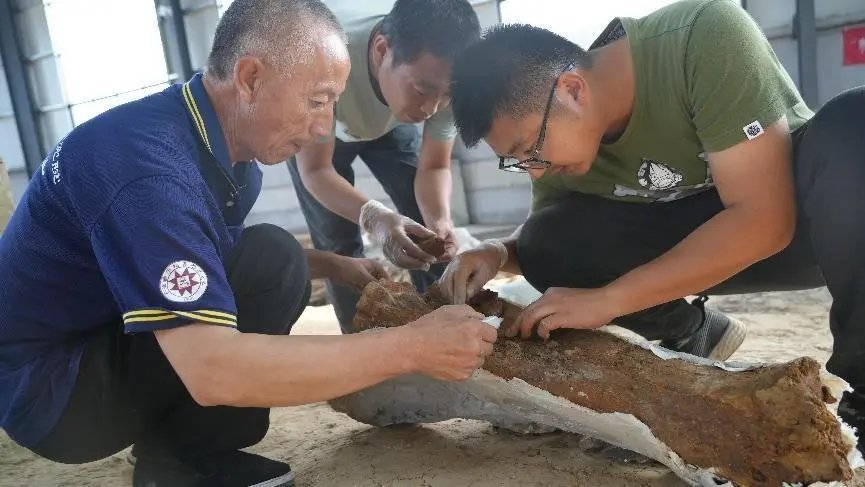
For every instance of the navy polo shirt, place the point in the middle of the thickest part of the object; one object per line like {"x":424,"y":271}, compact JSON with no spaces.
{"x":126,"y":223}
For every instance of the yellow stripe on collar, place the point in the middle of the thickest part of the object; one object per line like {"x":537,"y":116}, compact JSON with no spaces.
{"x":196,"y":115}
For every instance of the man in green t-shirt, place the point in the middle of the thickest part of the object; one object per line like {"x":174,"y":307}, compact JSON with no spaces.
{"x":399,"y":77}
{"x":673,"y":158}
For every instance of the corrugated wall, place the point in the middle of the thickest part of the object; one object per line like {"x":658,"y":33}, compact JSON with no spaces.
{"x":776,"y":18}
{"x":482,"y":195}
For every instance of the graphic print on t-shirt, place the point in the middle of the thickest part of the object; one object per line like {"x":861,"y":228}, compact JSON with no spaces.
{"x":661,"y":182}
{"x":654,"y":175}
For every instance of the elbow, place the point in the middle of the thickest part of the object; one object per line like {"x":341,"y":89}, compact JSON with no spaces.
{"x":313,"y":179}
{"x":784,"y":231}
{"x":206,"y":396}
{"x":768,"y":230}
{"x":206,"y":393}
{"x":785,"y":236}
{"x":211,"y":385}
{"x":205,"y":359}
{"x":787,"y":229}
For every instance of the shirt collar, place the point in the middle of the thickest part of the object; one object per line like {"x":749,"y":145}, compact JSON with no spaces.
{"x":205,"y":121}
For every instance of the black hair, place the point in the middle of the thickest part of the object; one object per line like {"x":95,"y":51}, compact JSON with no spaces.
{"x":262,"y":23}
{"x":442,"y":28}
{"x":509,"y":72}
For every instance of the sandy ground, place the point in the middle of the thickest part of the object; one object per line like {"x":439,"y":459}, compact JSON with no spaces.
{"x":327,"y":448}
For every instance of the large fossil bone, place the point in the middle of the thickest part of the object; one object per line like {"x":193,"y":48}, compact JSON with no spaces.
{"x":753,"y":424}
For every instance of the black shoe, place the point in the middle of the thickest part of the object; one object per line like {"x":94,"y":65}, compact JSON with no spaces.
{"x":851,"y":409}
{"x":230,"y":469}
{"x":718,"y":336}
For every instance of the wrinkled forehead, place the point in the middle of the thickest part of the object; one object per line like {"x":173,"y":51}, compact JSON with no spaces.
{"x":332,"y":46}
{"x":324,"y":65}
{"x":332,"y":65}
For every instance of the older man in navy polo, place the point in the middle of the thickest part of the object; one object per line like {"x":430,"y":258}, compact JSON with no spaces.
{"x":128,"y":272}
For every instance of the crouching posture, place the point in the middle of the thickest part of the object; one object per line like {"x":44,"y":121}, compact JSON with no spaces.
{"x":137,"y":309}
{"x":674,"y":157}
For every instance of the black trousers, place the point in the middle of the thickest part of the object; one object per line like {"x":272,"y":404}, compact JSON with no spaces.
{"x":127,"y":392}
{"x":588,"y":241}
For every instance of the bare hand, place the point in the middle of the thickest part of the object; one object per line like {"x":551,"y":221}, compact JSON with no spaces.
{"x":399,"y":247}
{"x":561,"y":307}
{"x":467,"y":274}
{"x":356,"y":272}
{"x":452,"y":342}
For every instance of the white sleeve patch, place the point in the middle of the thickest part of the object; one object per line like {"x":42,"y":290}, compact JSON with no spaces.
{"x":183,"y":282}
{"x":753,"y":130}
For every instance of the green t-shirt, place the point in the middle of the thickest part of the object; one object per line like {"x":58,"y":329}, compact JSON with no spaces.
{"x":706,"y":80}
{"x":360,"y":115}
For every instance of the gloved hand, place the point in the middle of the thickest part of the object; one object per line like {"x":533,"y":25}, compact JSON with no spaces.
{"x":391,"y":230}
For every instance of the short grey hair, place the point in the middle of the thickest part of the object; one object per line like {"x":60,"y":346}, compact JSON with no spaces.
{"x":280,"y":31}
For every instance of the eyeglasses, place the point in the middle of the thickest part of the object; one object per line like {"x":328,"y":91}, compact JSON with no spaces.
{"x":512,"y":164}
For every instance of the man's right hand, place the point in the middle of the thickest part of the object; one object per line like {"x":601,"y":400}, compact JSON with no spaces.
{"x":452,"y":342}
{"x":393,"y":232}
{"x":471,"y":270}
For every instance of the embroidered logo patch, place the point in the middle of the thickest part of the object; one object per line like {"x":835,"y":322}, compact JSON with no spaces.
{"x":183,"y":282}
{"x":655,"y":175}
{"x":753,"y":130}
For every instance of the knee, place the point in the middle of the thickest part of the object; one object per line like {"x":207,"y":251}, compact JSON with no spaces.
{"x":252,"y":431}
{"x":829,"y":152}
{"x":549,"y":232}
{"x":273,"y":254}
{"x":850,"y":102}
{"x":563,"y":246}
{"x":840,"y":120}
{"x":539,"y":247}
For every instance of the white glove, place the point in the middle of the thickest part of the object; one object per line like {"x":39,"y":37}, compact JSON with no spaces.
{"x":391,"y":230}
{"x":471,"y":270}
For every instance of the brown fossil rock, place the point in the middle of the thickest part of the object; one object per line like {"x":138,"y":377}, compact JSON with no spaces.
{"x":758,"y":427}
{"x":435,"y":246}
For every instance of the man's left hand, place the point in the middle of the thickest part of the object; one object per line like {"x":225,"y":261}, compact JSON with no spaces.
{"x":356,"y":272}
{"x":561,"y":307}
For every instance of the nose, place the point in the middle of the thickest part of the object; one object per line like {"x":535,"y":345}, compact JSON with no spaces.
{"x":426,"y":112}
{"x":322,"y":125}
{"x":430,"y":106}
{"x":320,"y":130}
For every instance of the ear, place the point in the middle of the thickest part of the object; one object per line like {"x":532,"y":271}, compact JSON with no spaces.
{"x":249,"y":74}
{"x":380,"y":47}
{"x":572,"y":90}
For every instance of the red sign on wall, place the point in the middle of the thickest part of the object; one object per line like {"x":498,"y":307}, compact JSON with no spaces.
{"x":854,"y":45}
